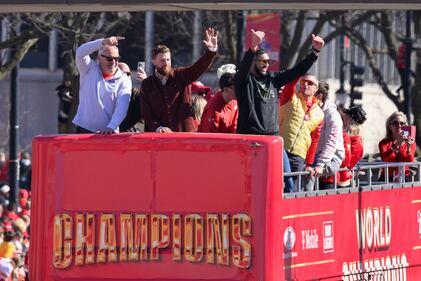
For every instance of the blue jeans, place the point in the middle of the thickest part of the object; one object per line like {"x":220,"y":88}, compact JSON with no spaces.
{"x":289,"y":183}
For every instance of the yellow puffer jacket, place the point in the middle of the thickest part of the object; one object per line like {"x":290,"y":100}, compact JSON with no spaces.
{"x":295,"y":128}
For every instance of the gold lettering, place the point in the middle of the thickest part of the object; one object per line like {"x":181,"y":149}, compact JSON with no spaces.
{"x":85,"y":239}
{"x":217,"y":235}
{"x":176,"y":237}
{"x":193,"y":238}
{"x":241,"y":253}
{"x":107,"y":239}
{"x":62,"y":241}
{"x":127,"y":251}
{"x":160,"y":234}
{"x":141,"y":238}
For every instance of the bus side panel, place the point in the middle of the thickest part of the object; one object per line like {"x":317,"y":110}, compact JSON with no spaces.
{"x":146,"y":207}
{"x":354,"y":236}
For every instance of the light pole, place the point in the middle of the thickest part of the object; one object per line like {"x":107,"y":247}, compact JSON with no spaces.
{"x":406,"y":83}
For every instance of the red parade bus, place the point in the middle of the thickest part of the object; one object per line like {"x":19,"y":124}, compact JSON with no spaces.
{"x":209,"y":207}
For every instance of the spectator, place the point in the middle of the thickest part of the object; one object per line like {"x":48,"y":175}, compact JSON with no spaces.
{"x":133,"y":122}
{"x":104,"y":93}
{"x":200,"y":89}
{"x":25,"y":170}
{"x":396,"y":147}
{"x":257,"y":90}
{"x":3,"y":158}
{"x":166,"y":94}
{"x":221,"y":112}
{"x":330,"y":148}
{"x":300,"y":121}
{"x":198,"y":105}
{"x":64,"y":93}
{"x":6,"y":269}
{"x":352,"y":119}
{"x":7,"y":247}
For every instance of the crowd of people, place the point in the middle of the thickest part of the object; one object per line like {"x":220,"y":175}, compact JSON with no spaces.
{"x":15,"y":221}
{"x":318,"y":137}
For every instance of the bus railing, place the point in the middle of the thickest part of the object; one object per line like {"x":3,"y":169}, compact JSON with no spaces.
{"x":365,"y":176}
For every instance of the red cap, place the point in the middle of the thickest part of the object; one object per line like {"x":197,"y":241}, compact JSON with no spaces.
{"x":23,"y":193}
{"x":199,"y":87}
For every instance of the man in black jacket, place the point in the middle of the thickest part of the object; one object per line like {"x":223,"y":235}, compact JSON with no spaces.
{"x":257,"y":90}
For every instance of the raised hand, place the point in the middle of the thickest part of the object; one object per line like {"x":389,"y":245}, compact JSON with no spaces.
{"x":317,"y":42}
{"x":112,"y":41}
{"x":211,"y":41}
{"x":256,"y":38}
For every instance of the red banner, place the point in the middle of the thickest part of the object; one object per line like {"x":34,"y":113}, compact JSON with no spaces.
{"x":374,"y":235}
{"x":271,"y":25}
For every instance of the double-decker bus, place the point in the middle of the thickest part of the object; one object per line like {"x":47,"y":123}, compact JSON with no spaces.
{"x":209,"y":207}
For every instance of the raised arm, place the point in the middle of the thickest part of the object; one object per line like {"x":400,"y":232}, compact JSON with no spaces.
{"x":192,"y":73}
{"x":83,"y":60}
{"x":284,"y":77}
{"x":247,"y":62}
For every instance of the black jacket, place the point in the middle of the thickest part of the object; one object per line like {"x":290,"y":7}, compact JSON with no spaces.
{"x":258,"y":97}
{"x":133,"y":122}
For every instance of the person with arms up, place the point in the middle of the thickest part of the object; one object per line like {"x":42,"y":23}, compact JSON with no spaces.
{"x":166,"y":94}
{"x":104,"y":92}
{"x":257,"y":90}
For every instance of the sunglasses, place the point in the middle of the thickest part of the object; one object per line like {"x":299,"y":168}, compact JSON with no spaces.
{"x":398,"y":124}
{"x":128,"y":73}
{"x":311,"y":83}
{"x":266,"y":62}
{"x":111,"y":58}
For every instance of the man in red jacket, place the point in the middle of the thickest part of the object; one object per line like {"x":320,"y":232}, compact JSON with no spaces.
{"x":166,"y":98}
{"x":221,"y":112}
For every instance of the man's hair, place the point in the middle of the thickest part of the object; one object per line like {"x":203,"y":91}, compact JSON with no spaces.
{"x":260,"y":52}
{"x":160,"y":49}
{"x":102,"y":49}
{"x":323,"y":91}
{"x":226,"y":80}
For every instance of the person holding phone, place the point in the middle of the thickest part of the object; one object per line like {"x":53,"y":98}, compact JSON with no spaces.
{"x":104,"y":92}
{"x":166,"y":99}
{"x":396,"y":147}
{"x":133,"y":123}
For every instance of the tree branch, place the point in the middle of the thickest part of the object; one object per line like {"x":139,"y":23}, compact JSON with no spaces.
{"x":20,"y":53}
{"x":362,"y":43}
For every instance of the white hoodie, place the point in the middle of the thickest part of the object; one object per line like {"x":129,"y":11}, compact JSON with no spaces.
{"x":331,"y":141}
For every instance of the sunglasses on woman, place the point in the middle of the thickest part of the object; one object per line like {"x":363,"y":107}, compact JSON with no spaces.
{"x":398,"y":124}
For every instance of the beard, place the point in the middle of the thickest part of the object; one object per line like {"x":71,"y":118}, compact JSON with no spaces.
{"x":165,"y":71}
{"x":259,"y":72}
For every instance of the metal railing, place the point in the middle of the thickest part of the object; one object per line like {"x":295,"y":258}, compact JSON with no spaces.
{"x":365,"y":176}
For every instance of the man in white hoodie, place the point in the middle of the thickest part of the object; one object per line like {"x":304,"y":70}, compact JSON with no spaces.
{"x":330,"y":149}
{"x":104,"y":92}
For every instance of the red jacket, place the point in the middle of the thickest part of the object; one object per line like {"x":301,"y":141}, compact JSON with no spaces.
{"x":219,"y":116}
{"x":390,"y":153}
{"x":353,"y":153}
